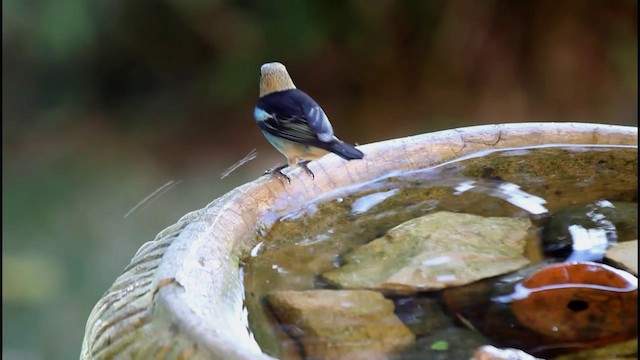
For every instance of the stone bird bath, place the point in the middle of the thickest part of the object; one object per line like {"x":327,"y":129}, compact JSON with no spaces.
{"x":182,"y":295}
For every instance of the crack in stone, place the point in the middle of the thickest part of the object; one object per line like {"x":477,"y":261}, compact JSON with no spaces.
{"x":471,"y":141}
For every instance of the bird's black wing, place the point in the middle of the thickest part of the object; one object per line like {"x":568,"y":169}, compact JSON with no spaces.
{"x":316,"y":118}
{"x":289,"y":117}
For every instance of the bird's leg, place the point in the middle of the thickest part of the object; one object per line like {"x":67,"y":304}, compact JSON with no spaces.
{"x":277,"y":171}
{"x":305,"y":167}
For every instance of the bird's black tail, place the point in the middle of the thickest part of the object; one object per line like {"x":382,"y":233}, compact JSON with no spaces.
{"x":344,"y":150}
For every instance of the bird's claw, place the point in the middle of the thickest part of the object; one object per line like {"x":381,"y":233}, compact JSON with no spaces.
{"x":277,"y":172}
{"x":305,"y":167}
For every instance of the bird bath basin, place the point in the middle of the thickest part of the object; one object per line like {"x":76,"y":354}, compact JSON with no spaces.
{"x":183,"y":295}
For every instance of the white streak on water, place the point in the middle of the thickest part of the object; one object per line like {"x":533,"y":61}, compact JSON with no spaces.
{"x":588,"y":244}
{"x":366,"y":202}
{"x":509,"y":192}
{"x":256,"y":249}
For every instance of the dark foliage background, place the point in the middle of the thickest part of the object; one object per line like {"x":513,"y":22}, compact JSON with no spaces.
{"x":105,"y":101}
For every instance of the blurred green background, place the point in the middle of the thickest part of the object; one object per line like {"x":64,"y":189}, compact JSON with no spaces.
{"x":104,"y":102}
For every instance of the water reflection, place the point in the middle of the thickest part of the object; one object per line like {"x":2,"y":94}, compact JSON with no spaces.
{"x":588,"y":244}
{"x":591,"y":244}
{"x":521,"y":291}
{"x":506,"y":191}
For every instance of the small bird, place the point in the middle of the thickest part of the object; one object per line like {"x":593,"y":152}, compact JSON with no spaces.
{"x":294,"y":123}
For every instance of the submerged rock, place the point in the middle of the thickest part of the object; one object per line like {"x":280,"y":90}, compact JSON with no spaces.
{"x":550,"y":309}
{"x":341,"y":324}
{"x":581,"y":302}
{"x":625,"y":255}
{"x":435,"y":251}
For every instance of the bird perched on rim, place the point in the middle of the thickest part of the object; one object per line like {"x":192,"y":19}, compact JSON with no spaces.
{"x":294,"y":123}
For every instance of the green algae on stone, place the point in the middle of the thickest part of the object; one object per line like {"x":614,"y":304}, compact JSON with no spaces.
{"x":435,"y":251}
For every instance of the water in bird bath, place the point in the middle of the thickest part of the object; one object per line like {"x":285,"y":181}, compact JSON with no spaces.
{"x":321,"y":246}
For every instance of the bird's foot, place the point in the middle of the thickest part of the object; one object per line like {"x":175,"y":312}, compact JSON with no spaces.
{"x":304,"y":165}
{"x":277,"y":172}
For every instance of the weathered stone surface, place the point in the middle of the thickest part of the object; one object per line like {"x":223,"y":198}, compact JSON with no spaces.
{"x":435,"y":251}
{"x":341,"y":324}
{"x":625,"y":255}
